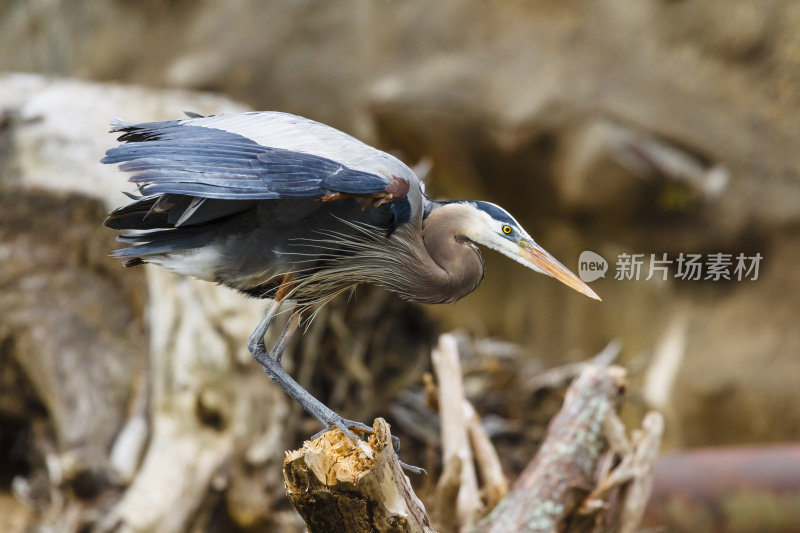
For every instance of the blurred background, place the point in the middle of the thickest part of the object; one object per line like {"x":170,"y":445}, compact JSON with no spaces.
{"x":648,"y":127}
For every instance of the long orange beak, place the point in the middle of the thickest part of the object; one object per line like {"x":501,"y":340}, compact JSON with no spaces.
{"x":542,"y":260}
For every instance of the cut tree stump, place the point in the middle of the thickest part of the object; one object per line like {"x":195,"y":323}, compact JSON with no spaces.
{"x":337,"y":485}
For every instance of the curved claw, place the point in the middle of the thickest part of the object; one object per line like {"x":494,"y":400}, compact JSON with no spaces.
{"x":351,"y":425}
{"x":346,"y":426}
{"x":413,"y":469}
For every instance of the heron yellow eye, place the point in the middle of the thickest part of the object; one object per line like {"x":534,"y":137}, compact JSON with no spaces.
{"x":507,"y":229}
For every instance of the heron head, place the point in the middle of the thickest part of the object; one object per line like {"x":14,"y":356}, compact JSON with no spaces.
{"x":492,"y":226}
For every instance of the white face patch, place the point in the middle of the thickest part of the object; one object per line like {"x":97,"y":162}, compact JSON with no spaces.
{"x":487,"y":231}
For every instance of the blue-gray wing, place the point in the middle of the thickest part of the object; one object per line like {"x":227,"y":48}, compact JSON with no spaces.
{"x":201,"y":171}
{"x":178,"y":157}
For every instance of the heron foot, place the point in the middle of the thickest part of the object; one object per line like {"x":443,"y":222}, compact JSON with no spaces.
{"x":355,"y":430}
{"x":351,"y":427}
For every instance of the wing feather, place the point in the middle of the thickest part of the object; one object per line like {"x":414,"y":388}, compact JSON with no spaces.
{"x":196,"y":172}
{"x":172,"y":157}
{"x":298,"y":134}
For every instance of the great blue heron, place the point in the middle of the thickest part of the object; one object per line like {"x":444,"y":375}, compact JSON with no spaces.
{"x":281,"y":207}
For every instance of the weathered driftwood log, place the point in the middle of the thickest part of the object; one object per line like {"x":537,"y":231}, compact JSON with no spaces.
{"x":557,"y":481}
{"x":337,"y":485}
{"x":139,"y":443}
{"x":455,"y":436}
{"x":587,"y":476}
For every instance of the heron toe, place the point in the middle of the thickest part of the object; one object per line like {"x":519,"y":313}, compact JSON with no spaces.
{"x":351,"y":427}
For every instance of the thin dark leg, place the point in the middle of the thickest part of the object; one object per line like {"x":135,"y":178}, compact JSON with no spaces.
{"x":270,"y":361}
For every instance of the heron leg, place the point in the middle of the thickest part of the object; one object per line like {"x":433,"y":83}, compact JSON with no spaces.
{"x":270,"y":360}
{"x":256,"y":341}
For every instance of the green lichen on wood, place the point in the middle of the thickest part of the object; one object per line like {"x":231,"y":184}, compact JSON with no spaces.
{"x":554,"y":484}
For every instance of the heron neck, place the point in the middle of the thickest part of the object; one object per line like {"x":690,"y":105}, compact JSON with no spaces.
{"x":455,"y":266}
